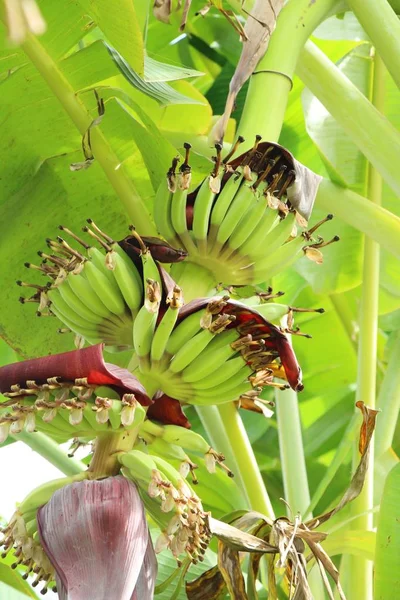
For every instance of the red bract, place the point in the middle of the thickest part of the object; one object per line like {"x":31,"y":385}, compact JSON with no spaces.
{"x":87,"y":363}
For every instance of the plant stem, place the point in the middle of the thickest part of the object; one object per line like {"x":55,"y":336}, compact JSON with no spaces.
{"x":106,"y":450}
{"x":361,"y":582}
{"x":291,"y":448}
{"x":254,"y":487}
{"x":383,"y":27}
{"x":78,"y":113}
{"x":379,"y":141}
{"x":388,"y":402}
{"x":373,"y":220}
{"x":51,"y":451}
{"x":271,"y":83}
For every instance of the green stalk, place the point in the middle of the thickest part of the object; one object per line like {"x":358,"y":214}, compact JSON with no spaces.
{"x":291,"y":448}
{"x":376,"y":222}
{"x":361,"y":580}
{"x":51,"y":451}
{"x":388,"y":402}
{"x":254,"y":487}
{"x":374,"y":135}
{"x":272,"y":81}
{"x":383,"y":27}
{"x":79,"y":115}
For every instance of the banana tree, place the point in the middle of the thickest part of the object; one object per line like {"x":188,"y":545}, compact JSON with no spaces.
{"x":189,"y":193}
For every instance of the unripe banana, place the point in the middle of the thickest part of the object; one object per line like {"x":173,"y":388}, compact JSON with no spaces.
{"x":87,"y":332}
{"x":190,"y":351}
{"x":128,"y":281}
{"x":143,"y":331}
{"x":140,"y":465}
{"x":85,"y":292}
{"x":207,"y":363}
{"x":220,"y":375}
{"x":201,"y":214}
{"x":245,"y":197}
{"x":162,"y":333}
{"x":275,"y":238}
{"x":225,"y":385}
{"x":215,"y":396}
{"x":222,"y":204}
{"x":183,"y":332}
{"x":269,"y":221}
{"x":178,"y":218}
{"x":185,"y":438}
{"x":98,"y":259}
{"x":42,"y":494}
{"x":162,"y":213}
{"x":248,"y":223}
{"x":108,"y":292}
{"x":72,"y":300}
{"x":280,"y":259}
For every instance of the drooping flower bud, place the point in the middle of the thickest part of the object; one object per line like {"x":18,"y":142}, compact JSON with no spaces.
{"x":96,"y":536}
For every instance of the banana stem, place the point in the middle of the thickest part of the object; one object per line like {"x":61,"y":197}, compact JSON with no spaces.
{"x":291,"y":448}
{"x":107,"y":447}
{"x":78,"y":113}
{"x":249,"y":472}
{"x":360,"y":581}
{"x":51,"y":451}
{"x":272,"y":80}
{"x":383,"y":27}
{"x":375,"y":221}
{"x":380,"y":141}
{"x":388,"y":402}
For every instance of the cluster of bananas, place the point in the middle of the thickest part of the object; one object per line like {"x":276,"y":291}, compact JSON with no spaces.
{"x":98,"y":293}
{"x":242,"y":222}
{"x":214,"y":351}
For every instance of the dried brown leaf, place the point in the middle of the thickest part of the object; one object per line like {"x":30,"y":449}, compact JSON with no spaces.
{"x":229,"y":566}
{"x":357,"y":482}
{"x":210,"y":585}
{"x":238,"y":540}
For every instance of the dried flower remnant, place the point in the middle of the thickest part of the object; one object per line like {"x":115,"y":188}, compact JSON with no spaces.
{"x":64,"y":396}
{"x":248,"y":218}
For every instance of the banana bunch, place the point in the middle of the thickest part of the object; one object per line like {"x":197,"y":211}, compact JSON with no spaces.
{"x":165,"y":491}
{"x":171,"y":443}
{"x":248,"y":218}
{"x":98,"y":293}
{"x":21,"y":536}
{"x":69,"y":395}
{"x":212,"y":351}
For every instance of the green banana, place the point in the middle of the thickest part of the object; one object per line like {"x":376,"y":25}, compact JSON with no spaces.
{"x":42,"y":494}
{"x":183,"y":332}
{"x":143,"y":330}
{"x":248,"y":223}
{"x":278,"y":260}
{"x":269,"y":220}
{"x":273,"y":239}
{"x":162,"y":333}
{"x":185,"y":438}
{"x":139,"y":464}
{"x":244,"y":198}
{"x":230,"y":381}
{"x":190,"y":350}
{"x":128,"y":280}
{"x":108,"y":293}
{"x":84,"y":291}
{"x":98,"y":259}
{"x":72,"y":300}
{"x":215,"y":396}
{"x":162,"y":213}
{"x":201,"y":214}
{"x":206,"y":364}
{"x":220,"y":375}
{"x":178,"y":219}
{"x":220,"y":208}
{"x":86,"y":332}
